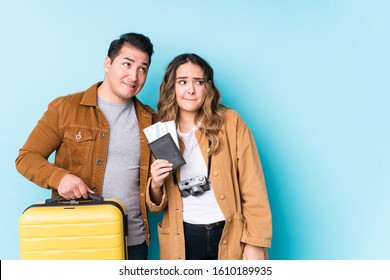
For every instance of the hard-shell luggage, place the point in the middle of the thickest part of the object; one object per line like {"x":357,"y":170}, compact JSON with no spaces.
{"x":90,"y":229}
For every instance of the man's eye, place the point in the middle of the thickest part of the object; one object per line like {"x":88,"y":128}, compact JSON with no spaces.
{"x":143,"y":70}
{"x":126,"y":64}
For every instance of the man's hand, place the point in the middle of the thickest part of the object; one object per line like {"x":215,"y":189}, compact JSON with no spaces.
{"x":72,"y":187}
{"x":253,"y":253}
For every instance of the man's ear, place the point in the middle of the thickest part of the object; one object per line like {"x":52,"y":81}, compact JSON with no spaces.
{"x":107,"y":64}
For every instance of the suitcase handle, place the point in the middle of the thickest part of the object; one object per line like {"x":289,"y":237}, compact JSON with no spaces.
{"x":57,"y":198}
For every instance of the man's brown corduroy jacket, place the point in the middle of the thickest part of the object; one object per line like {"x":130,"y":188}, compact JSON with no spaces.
{"x":77,"y":130}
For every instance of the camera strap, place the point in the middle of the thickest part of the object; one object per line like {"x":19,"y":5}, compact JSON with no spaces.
{"x":208,"y":168}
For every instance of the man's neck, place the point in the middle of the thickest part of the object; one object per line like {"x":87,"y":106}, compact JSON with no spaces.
{"x":105,"y":93}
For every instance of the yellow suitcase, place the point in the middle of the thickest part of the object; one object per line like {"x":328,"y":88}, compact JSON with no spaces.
{"x":94,"y":229}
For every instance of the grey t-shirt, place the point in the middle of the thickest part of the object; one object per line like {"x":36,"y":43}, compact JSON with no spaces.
{"x":121,"y":177}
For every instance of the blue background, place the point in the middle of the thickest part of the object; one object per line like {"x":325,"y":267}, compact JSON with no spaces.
{"x":311,"y":79}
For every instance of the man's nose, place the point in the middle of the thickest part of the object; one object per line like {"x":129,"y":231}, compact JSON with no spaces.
{"x":133,"y":74}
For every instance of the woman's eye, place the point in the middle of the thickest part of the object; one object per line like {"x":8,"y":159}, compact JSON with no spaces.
{"x":182,"y":82}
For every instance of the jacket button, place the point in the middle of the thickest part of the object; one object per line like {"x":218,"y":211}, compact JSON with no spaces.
{"x":98,"y":162}
{"x":215,"y":173}
{"x":94,"y":188}
{"x":224,"y":242}
{"x":222,"y":196}
{"x":101,"y":134}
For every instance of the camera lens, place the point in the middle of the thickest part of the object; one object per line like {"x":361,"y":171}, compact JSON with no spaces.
{"x":185,"y":193}
{"x":195,"y":191}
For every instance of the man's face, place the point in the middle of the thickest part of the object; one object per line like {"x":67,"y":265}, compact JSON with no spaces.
{"x":125,"y":75}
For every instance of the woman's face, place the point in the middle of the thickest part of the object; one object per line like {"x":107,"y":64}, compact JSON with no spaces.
{"x":190,"y":88}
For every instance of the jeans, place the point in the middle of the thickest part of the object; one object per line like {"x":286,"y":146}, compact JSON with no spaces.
{"x":138,"y":252}
{"x":202,"y":241}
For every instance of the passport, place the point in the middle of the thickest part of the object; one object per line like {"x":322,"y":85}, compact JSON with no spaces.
{"x":166,"y":148}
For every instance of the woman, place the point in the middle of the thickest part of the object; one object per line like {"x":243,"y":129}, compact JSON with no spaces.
{"x":221,"y":210}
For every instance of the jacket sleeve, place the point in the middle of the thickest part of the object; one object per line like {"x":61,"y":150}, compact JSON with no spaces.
{"x":254,"y":198}
{"x":152,"y":206}
{"x":32,"y":161}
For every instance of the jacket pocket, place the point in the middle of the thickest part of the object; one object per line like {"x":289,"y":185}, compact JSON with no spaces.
{"x":79,"y":142}
{"x":164,"y":237}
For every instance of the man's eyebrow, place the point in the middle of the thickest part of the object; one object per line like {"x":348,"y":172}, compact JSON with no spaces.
{"x":132,"y":60}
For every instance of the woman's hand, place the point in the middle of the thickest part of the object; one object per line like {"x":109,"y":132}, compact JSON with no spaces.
{"x":253,"y":253}
{"x":159,"y":170}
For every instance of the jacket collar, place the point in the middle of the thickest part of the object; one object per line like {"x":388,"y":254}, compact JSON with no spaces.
{"x":90,"y":95}
{"x":141,"y":110}
{"x":90,"y":99}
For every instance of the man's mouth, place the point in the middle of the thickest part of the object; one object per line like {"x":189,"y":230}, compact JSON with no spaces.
{"x":132,"y":86}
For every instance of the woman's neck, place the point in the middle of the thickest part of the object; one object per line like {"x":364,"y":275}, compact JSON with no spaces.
{"x":186,"y":122}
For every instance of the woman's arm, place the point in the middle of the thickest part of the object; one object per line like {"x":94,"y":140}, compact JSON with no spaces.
{"x":254,"y":198}
{"x":155,"y":187}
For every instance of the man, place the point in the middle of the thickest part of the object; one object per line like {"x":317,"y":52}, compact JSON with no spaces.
{"x":98,"y":139}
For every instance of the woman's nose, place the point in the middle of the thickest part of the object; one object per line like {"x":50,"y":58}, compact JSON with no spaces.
{"x":191,"y":88}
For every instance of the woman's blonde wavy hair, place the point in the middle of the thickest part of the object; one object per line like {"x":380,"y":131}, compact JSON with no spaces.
{"x":210,"y":114}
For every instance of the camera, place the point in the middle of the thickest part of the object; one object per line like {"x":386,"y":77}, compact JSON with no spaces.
{"x":194,"y":186}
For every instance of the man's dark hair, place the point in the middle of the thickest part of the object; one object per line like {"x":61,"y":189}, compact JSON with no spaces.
{"x":138,"y":41}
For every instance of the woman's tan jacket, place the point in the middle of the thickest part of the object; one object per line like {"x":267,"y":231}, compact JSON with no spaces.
{"x":238,"y":182}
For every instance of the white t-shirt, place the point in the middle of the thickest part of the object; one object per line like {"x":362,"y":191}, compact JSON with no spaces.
{"x":204,"y":208}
